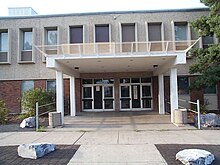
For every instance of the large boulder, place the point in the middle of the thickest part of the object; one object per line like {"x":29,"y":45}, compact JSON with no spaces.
{"x":28,"y":122}
{"x":35,"y":150}
{"x":207,"y":120}
{"x":195,"y":157}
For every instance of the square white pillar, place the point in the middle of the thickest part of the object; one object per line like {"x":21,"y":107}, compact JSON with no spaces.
{"x":161,"y":94}
{"x":59,"y":94}
{"x":72,"y":97}
{"x":173,"y":92}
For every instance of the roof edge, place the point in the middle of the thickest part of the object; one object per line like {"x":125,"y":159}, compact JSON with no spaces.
{"x":108,"y":12}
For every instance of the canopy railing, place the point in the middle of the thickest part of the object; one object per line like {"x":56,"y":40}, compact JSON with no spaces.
{"x":115,"y":48}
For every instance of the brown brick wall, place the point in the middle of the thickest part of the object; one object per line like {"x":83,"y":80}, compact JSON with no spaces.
{"x":155,"y":93}
{"x":66,"y":83}
{"x":40,"y":84}
{"x":78,"y":86}
{"x":10,"y":92}
{"x":167,"y":93}
{"x":196,"y":94}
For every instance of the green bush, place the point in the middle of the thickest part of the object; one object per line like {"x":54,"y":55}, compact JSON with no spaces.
{"x":29,"y":99}
{"x":3,"y":112}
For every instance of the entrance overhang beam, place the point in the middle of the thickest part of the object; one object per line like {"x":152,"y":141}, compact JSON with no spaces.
{"x":52,"y":63}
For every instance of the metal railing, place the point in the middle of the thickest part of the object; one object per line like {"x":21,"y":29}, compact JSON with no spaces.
{"x":41,"y":114}
{"x":197,"y":107}
{"x":117,"y":48}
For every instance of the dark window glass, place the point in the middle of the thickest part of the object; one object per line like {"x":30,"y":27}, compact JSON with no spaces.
{"x":27,"y":85}
{"x":125,"y":80}
{"x":128,"y":32}
{"x":125,"y":91}
{"x":154,"y":31}
{"x":183,"y":85}
{"x":135,"y":80}
{"x":108,"y":91}
{"x":146,"y":91}
{"x":102,"y":33}
{"x":87,"y":81}
{"x":51,"y":85}
{"x":87,"y":92}
{"x":210,"y":90}
{"x":76,"y":34}
{"x":146,"y":80}
{"x":98,"y":81}
{"x":206,"y":41}
{"x":180,"y":31}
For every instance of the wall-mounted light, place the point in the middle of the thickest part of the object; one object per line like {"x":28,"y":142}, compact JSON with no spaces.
{"x":155,"y":66}
{"x":76,"y":68}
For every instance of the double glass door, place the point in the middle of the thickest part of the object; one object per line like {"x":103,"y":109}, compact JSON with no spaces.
{"x":98,"y":98}
{"x":135,"y":97}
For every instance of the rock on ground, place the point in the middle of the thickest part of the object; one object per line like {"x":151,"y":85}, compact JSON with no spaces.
{"x":207,"y":120}
{"x":35,"y":150}
{"x":195,"y":157}
{"x":28,"y":122}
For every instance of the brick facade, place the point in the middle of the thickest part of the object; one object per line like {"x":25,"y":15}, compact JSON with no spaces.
{"x":155,"y":93}
{"x":10,"y":93}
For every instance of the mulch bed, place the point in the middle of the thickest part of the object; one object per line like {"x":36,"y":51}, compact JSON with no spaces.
{"x":61,"y":156}
{"x":168,"y":151}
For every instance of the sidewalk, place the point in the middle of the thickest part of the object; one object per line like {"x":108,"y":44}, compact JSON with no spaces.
{"x":105,"y":141}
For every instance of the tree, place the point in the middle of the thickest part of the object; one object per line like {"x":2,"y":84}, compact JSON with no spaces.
{"x":207,"y":61}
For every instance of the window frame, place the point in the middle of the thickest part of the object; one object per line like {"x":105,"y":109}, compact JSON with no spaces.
{"x":21,"y":44}
{"x":7,"y":52}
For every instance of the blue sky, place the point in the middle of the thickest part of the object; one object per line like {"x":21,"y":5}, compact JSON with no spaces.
{"x":80,"y":6}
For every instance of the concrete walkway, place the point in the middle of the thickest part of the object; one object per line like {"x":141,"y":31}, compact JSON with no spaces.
{"x":114,"y":143}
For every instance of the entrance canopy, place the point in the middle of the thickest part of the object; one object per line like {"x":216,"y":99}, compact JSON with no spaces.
{"x":156,"y":56}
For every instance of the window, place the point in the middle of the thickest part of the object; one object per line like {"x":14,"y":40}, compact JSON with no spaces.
{"x":154,"y":31}
{"x":180,"y":31}
{"x":27,"y":85}
{"x":128,"y":36}
{"x":183,"y":85}
{"x":4,"y":46}
{"x":210,"y":90}
{"x":206,"y":41}
{"x":51,"y":85}
{"x":50,"y":41}
{"x":102,"y":33}
{"x":76,"y":34}
{"x":27,"y":40}
{"x":51,"y":38}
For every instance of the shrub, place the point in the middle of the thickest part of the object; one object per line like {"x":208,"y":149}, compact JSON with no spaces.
{"x":30,"y":97}
{"x":3,"y":112}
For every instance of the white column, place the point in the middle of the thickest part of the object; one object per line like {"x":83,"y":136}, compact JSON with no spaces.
{"x":59,"y":94}
{"x":173,"y":92}
{"x":161,"y":94}
{"x":72,"y":97}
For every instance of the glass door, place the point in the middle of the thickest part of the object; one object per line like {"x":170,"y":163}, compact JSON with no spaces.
{"x":108,"y":98}
{"x":146,"y":97}
{"x":87,"y":98}
{"x":135,"y":92}
{"x":125,"y":97}
{"x":98,"y":97}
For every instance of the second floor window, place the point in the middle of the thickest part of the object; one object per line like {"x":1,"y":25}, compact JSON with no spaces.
{"x":3,"y":41}
{"x":76,"y":34}
{"x":102,"y":33}
{"x":180,"y":31}
{"x":27,"y":40}
{"x":154,"y":31}
{"x":51,"y":37}
{"x":4,"y":46}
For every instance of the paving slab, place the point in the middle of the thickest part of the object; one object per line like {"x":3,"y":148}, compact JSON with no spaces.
{"x":117,"y":154}
{"x":60,"y":137}
{"x":98,"y":138}
{"x":21,"y":138}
